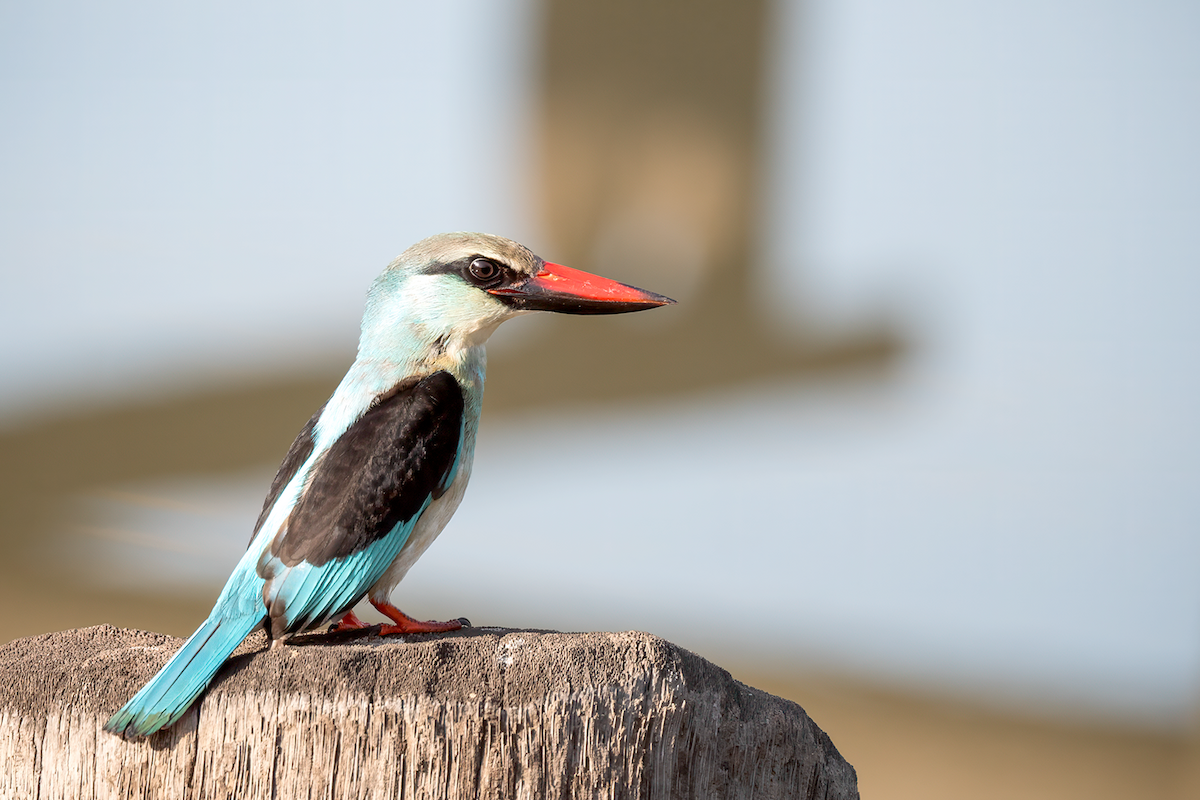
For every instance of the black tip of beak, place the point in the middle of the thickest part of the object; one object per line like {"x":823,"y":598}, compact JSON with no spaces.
{"x":569,"y":304}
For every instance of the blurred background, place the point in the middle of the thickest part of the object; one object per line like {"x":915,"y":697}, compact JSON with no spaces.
{"x":918,"y":447}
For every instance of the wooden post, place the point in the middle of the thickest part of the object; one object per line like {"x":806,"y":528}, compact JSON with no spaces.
{"x":481,"y":713}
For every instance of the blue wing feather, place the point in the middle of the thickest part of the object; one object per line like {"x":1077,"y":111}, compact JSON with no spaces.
{"x":308,"y":594}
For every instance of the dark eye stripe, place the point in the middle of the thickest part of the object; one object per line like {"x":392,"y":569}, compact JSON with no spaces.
{"x":504,"y":274}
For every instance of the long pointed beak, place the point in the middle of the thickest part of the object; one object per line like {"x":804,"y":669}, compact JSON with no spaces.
{"x":572,"y":291}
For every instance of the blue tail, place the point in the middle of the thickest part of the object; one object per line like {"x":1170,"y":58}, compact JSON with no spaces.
{"x":170,"y":693}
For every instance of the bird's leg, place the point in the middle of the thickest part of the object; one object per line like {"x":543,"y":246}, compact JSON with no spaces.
{"x":406,"y":624}
{"x":350,"y":622}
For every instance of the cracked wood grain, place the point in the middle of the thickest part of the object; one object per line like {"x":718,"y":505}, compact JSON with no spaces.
{"x":480,"y":713}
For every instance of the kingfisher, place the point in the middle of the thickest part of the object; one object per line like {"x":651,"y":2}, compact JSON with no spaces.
{"x":377,"y":472}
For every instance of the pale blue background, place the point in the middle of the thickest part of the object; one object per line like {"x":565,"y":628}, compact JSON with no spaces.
{"x":190,"y":196}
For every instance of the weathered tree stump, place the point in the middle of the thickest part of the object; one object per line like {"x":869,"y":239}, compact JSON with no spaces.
{"x":479,"y":713}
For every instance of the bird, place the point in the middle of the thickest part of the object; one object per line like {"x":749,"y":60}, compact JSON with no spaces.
{"x":379,"y":469}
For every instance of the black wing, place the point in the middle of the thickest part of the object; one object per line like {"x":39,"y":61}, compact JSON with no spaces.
{"x":297,"y":454}
{"x":380,"y":472}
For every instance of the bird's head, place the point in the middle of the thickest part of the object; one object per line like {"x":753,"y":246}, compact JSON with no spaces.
{"x":453,"y":289}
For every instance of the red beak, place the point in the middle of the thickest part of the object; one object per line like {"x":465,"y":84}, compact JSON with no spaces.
{"x":572,"y":291}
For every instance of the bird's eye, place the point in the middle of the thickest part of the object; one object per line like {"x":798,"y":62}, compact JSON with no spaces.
{"x":485,"y":272}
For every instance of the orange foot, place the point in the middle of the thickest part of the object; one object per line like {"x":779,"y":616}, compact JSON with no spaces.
{"x":350,"y":622}
{"x":406,"y":624}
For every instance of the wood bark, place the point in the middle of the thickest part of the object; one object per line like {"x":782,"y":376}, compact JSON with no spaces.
{"x":480,"y":713}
